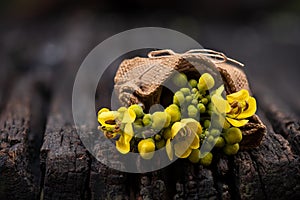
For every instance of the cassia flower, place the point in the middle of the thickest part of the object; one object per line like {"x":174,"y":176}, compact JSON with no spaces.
{"x":238,"y":106}
{"x":242,"y":106}
{"x":185,"y":136}
{"x":111,"y":121}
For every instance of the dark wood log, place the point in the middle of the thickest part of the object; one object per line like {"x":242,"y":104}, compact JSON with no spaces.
{"x":64,"y":160}
{"x":21,"y":132}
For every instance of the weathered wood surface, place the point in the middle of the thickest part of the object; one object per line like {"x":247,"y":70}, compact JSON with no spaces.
{"x":42,"y":156}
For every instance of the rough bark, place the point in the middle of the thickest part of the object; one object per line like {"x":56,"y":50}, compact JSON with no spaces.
{"x":21,"y":126}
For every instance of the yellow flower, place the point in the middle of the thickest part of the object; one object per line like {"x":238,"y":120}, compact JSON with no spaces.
{"x":107,"y":119}
{"x":242,"y":106}
{"x":123,"y":144}
{"x":238,"y":106}
{"x":146,"y":148}
{"x":185,"y":135}
{"x":111,"y":121}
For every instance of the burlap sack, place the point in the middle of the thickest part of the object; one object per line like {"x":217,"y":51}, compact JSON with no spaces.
{"x":140,"y":80}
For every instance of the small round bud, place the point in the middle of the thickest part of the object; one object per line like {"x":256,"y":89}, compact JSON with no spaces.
{"x":207,"y":159}
{"x":220,"y":142}
{"x":206,"y":82}
{"x":208,"y":97}
{"x":167,"y":133}
{"x":194,"y":157}
{"x":160,"y":144}
{"x":193,"y":83}
{"x":206,"y":123}
{"x":195,"y":101}
{"x":138,"y":110}
{"x":231,"y":149}
{"x":178,"y":98}
{"x":233,"y":135}
{"x":215,"y":132}
{"x":194,"y":90}
{"x":174,"y":111}
{"x":147,"y":119}
{"x":210,"y":106}
{"x":180,"y":79}
{"x":185,"y":91}
{"x":192,"y":111}
{"x":160,"y":120}
{"x":146,"y":148}
{"x":201,"y":107}
{"x":157,"y":137}
{"x":204,"y":101}
{"x":210,"y":139}
{"x":188,"y":99}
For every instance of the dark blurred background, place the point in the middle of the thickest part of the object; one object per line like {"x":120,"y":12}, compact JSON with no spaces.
{"x":51,"y":34}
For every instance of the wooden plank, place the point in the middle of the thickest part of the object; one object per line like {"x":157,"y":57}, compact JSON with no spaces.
{"x":278,"y":166}
{"x":21,"y":126}
{"x":64,"y":160}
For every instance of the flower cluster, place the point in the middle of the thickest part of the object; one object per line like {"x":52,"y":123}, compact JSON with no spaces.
{"x":198,"y":117}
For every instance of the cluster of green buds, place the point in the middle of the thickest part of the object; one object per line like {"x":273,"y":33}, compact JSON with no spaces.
{"x":198,"y":117}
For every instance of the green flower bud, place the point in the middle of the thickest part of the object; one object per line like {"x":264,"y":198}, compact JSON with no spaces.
{"x":147,"y":119}
{"x":167,"y":133}
{"x":192,"y":111}
{"x":180,"y":79}
{"x":185,"y":91}
{"x":157,"y":137}
{"x":206,"y":123}
{"x":188,"y":98}
{"x":146,"y":148}
{"x":194,"y":90}
{"x":121,"y":110}
{"x":160,"y":144}
{"x":215,"y":132}
{"x":208,"y":98}
{"x":207,"y":159}
{"x":174,"y":111}
{"x":206,"y":82}
{"x":220,"y":142}
{"x":226,"y":125}
{"x":194,"y":157}
{"x":233,"y":135}
{"x":138,"y":124}
{"x":210,"y":139}
{"x":210,"y":106}
{"x":138,"y":110}
{"x":231,"y":149}
{"x":201,"y":107}
{"x":204,"y":101}
{"x":195,"y":101}
{"x":178,"y":98}
{"x":193,"y":83}
{"x":160,"y":120}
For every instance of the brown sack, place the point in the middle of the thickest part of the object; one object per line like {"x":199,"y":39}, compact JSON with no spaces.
{"x":140,"y":80}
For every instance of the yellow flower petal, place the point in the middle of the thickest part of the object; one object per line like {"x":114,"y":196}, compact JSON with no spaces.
{"x":237,"y":123}
{"x":104,"y":117}
{"x":242,"y":95}
{"x":195,"y":143}
{"x":191,"y":123}
{"x":176,"y":128}
{"x":169,"y":149}
{"x":146,"y":148}
{"x":128,"y":129}
{"x":220,"y":90}
{"x":129,"y":116}
{"x":182,"y":149}
{"x":250,"y":111}
{"x":123,"y":145}
{"x":103,"y":110}
{"x":221,"y":104}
